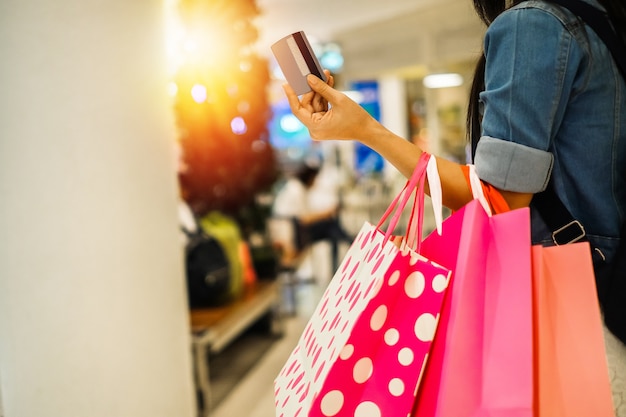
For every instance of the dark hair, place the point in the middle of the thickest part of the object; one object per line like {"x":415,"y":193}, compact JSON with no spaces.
{"x":307,"y":174}
{"x":487,"y":11}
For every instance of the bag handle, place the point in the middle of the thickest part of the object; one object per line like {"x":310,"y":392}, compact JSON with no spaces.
{"x":477,"y":189}
{"x":403,"y":196}
{"x":413,"y":237}
{"x":426,"y":168}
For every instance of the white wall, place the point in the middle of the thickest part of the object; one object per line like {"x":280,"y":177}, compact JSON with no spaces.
{"x":93,"y":318}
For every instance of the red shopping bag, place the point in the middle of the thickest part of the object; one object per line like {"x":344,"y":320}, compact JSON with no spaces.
{"x":481,"y":359}
{"x":365,"y":346}
{"x":571,"y":368}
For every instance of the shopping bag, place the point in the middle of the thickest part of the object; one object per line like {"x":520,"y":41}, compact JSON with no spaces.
{"x":571,"y":368}
{"x":377,"y":372}
{"x":364,"y":348}
{"x":481,"y":361}
{"x":327,"y":331}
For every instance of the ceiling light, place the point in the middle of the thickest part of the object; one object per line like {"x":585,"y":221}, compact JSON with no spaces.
{"x":442,"y":80}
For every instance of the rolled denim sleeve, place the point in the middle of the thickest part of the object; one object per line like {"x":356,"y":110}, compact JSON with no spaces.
{"x":511,"y":166}
{"x":528,"y":77}
{"x":531,"y":64}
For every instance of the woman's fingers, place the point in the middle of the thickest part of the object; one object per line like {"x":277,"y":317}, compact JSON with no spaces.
{"x":298,"y":110}
{"x":312,"y":102}
{"x":343,"y":119}
{"x":309,"y":100}
{"x":319,"y":103}
{"x":330,"y":78}
{"x":320,"y":87}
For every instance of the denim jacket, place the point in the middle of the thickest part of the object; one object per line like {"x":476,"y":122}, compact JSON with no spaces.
{"x":554,"y":104}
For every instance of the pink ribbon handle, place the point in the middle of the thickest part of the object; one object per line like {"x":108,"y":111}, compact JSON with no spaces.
{"x":415,"y":183}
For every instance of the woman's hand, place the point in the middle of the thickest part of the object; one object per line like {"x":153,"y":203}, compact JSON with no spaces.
{"x":315,"y":102}
{"x":328,"y":113}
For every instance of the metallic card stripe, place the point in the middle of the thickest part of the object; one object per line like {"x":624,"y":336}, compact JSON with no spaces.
{"x":297,"y":56}
{"x":307,"y":52}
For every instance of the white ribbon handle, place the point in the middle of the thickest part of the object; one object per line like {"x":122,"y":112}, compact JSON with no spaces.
{"x":477,"y":189}
{"x":413,"y":236}
{"x":436,"y":196}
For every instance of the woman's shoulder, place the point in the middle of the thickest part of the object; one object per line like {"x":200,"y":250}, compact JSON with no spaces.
{"x":531,"y":22}
{"x":536,"y":9}
{"x":533,"y":8}
{"x":543,"y":18}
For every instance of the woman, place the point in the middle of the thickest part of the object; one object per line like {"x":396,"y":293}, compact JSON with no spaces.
{"x":548,"y":104}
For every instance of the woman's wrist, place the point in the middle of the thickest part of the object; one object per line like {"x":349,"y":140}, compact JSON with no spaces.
{"x":374,"y":134}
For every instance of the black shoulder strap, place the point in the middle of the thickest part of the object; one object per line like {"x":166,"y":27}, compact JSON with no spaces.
{"x":565,"y":228}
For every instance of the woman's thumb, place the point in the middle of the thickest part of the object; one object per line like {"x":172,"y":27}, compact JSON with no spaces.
{"x":319,"y":86}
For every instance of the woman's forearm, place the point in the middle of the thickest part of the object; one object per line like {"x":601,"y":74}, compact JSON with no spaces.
{"x":404,"y":155}
{"x":345,"y":119}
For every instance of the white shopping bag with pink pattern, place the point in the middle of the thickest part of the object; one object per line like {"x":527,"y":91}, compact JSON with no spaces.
{"x":366,"y":345}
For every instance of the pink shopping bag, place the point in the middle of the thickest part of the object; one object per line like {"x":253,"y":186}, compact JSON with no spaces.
{"x":365,"y":346}
{"x":572,"y":375}
{"x":482,"y":355}
{"x":378,"y":369}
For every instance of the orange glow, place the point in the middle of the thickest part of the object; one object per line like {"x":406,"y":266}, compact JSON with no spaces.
{"x":220,"y":102}
{"x":200,"y":39}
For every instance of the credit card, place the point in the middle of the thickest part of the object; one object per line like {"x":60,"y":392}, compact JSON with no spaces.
{"x":297,"y":60}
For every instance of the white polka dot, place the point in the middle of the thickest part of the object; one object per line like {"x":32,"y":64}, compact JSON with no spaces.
{"x":396,"y":387}
{"x":440,"y":283}
{"x":363,"y":370}
{"x":414,"y":285}
{"x":393,"y":279}
{"x":392,"y":336}
{"x":406,"y":356}
{"x":332,"y":403}
{"x":378,"y":318}
{"x":367,"y":409}
{"x":414,"y":259}
{"x":425,"y":326}
{"x":346,"y":352}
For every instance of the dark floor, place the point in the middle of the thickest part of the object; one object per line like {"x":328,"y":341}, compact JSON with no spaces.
{"x":230,"y":366}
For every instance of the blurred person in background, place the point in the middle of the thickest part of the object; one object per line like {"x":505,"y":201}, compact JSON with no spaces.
{"x":311,"y":224}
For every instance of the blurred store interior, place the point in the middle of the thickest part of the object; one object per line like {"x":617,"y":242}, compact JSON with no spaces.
{"x":124,"y":122}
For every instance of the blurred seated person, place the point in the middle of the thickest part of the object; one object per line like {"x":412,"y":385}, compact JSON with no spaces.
{"x":309,"y":227}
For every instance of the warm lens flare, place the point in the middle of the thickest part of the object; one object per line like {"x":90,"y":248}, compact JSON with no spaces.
{"x":219,"y":91}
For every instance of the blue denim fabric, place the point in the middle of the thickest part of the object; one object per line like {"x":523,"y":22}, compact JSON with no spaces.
{"x":554,"y":102}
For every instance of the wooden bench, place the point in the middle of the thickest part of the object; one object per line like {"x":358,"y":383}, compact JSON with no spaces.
{"x":213,"y":329}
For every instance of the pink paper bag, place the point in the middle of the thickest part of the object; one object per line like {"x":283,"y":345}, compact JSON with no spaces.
{"x":572,"y":375}
{"x":326,"y":333}
{"x":379,"y":367}
{"x":482,"y":355}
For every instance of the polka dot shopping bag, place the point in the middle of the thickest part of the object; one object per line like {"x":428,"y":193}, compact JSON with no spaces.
{"x":367,"y":343}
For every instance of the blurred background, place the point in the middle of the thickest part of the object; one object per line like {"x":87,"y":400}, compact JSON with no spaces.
{"x":147,"y":267}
